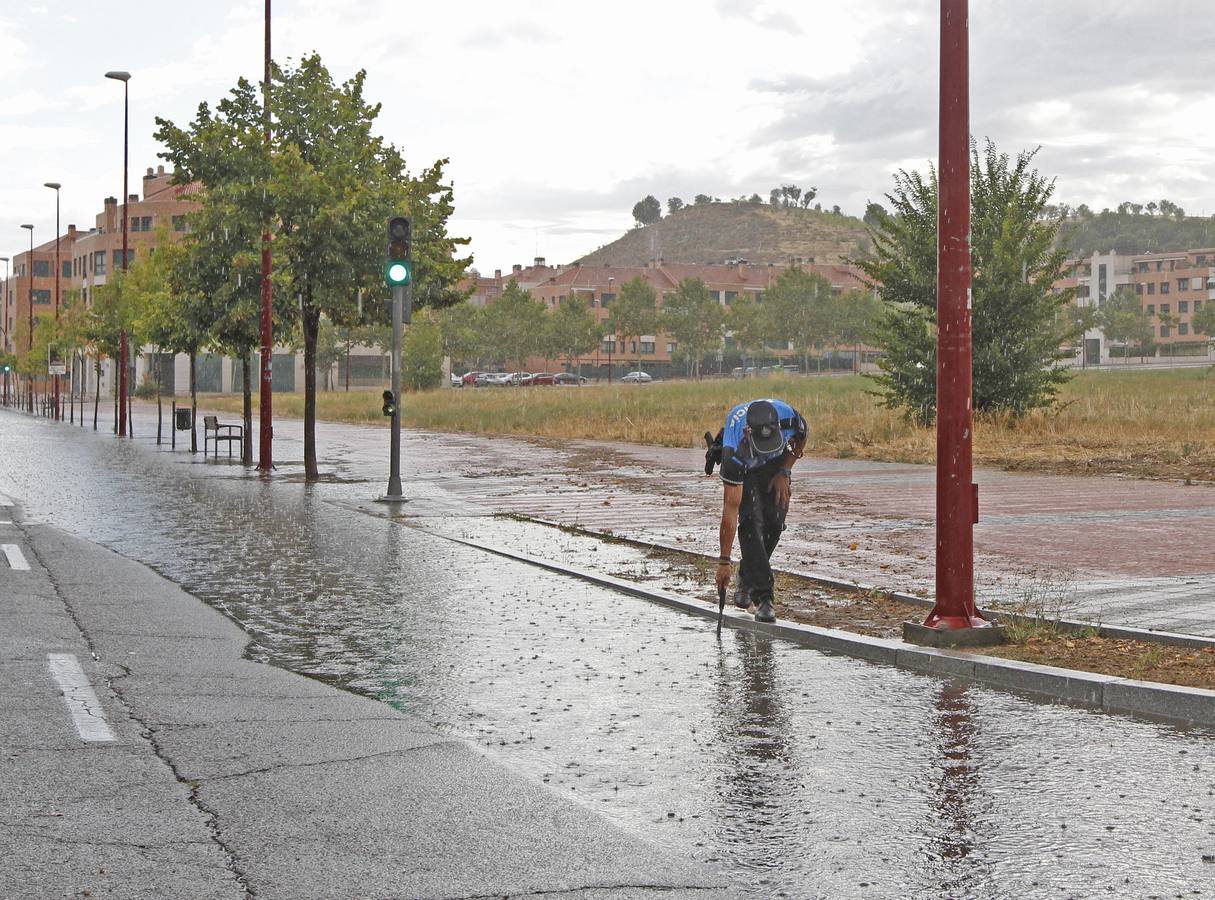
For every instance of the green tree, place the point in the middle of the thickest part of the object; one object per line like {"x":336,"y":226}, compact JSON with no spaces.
{"x":694,"y":318}
{"x":748,"y":324}
{"x":422,"y":352}
{"x":796,"y":311}
{"x":1203,"y":321}
{"x":634,"y":313}
{"x":1018,"y":336}
{"x":574,"y":328}
{"x":464,"y":333}
{"x":648,"y":210}
{"x":1123,"y":321}
{"x":325,"y":186}
{"x":856,"y":314}
{"x":513,"y":323}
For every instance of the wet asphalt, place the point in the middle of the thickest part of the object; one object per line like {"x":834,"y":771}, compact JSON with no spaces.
{"x":800,"y":773}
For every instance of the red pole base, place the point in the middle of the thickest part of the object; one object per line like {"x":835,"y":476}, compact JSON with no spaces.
{"x":951,"y":623}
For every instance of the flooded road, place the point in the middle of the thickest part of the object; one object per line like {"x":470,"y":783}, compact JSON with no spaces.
{"x":800,"y":773}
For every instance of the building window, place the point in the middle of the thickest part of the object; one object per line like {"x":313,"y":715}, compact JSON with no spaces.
{"x":1102,"y":284}
{"x":42,"y":298}
{"x":146,"y":223}
{"x":647,"y":346}
{"x":671,"y":347}
{"x":1200,"y":260}
{"x":1082,"y":291}
{"x":1164,"y":287}
{"x":1197,"y":305}
{"x":42,"y":268}
{"x":1143,"y":267}
{"x":1159,"y":266}
{"x":99,"y":262}
{"x":1151,"y":287}
{"x":1138,"y":287}
{"x":179,"y":223}
{"x":1183,"y":328}
{"x":1165,"y":309}
{"x":1196,"y":283}
{"x":731,"y":296}
{"x":1151,"y":309}
{"x":609,"y":345}
{"x":1164,"y":331}
{"x":1183,"y":306}
{"x":67,"y":268}
{"x":605,"y":299}
{"x":118,"y":257}
{"x":1183,"y":284}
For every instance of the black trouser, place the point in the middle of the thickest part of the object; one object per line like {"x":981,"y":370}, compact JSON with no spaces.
{"x":760,"y":523}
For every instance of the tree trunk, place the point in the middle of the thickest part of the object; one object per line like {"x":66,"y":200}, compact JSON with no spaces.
{"x":96,"y":389}
{"x":246,"y":444}
{"x":193,"y":401}
{"x":312,"y":322}
{"x":347,"y":368}
{"x":116,"y":367}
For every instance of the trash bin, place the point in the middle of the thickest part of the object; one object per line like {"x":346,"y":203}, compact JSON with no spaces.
{"x":183,"y":419}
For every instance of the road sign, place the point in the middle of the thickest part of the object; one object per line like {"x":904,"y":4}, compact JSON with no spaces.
{"x":55,"y":364}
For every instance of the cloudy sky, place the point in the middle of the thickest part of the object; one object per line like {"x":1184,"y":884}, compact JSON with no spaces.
{"x":558,"y":116}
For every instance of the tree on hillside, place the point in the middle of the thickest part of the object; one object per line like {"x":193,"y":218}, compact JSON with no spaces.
{"x":694,"y":318}
{"x":648,"y":210}
{"x":574,"y":330}
{"x":1018,"y":335}
{"x":796,"y":308}
{"x":515,"y":320}
{"x":634,"y":313}
{"x":1123,"y":321}
{"x":327,"y":187}
{"x":702,"y":199}
{"x":874,"y":213}
{"x":674,"y":205}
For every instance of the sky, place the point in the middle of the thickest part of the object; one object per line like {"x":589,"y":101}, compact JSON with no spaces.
{"x":557,"y":116}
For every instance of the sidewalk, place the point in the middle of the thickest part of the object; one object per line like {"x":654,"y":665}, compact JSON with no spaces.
{"x":179,"y":769}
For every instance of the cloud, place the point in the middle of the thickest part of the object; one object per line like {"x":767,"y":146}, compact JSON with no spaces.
{"x":487,"y":37}
{"x":760,"y":14}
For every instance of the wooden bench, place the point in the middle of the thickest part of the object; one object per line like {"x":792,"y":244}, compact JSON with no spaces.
{"x":214,"y":433}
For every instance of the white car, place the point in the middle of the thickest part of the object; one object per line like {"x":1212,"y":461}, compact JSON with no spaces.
{"x":498,"y":379}
{"x":637,"y":378}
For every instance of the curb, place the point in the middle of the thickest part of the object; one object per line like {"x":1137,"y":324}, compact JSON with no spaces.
{"x":1120,"y":632}
{"x":1154,"y":700}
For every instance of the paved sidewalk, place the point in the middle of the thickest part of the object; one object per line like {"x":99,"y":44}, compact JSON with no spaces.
{"x":161,"y":763}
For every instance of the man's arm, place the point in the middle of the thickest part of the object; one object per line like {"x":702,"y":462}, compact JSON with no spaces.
{"x":730,"y":503}
{"x":782,"y":483}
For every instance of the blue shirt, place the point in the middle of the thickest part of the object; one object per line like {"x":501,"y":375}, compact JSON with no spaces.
{"x":738,"y":457}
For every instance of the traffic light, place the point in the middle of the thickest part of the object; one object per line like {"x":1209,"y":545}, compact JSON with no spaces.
{"x":399,"y":269}
{"x":390,"y":404}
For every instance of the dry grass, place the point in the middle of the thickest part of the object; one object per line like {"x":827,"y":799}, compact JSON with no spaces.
{"x":1157,"y":423}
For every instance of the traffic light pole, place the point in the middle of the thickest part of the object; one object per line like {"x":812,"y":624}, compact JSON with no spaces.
{"x":394,"y":467}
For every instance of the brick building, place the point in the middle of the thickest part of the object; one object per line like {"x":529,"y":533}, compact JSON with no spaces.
{"x":1171,"y":288}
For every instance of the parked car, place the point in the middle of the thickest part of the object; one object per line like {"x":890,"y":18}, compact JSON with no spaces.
{"x":637,"y":378}
{"x":470,"y":378}
{"x":485,"y":379}
{"x":498,"y":379}
{"x":544,"y":378}
{"x":456,"y":380}
{"x":568,"y":378}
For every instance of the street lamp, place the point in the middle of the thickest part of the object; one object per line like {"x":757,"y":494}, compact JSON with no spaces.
{"x":55,"y":186}
{"x":4,"y":324}
{"x":125,"y":78}
{"x":30,"y":340}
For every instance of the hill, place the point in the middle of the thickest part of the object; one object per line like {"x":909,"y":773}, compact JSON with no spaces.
{"x":1130,"y":233}
{"x":713,"y":232}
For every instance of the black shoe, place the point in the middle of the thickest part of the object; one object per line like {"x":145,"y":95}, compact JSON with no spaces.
{"x":764,"y":611}
{"x":742,"y":598}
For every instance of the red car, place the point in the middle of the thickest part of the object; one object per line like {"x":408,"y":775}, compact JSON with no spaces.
{"x":470,"y":378}
{"x":543,"y":378}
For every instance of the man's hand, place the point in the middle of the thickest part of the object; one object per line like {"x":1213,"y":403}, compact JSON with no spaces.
{"x":723,"y":575}
{"x":781,"y":489}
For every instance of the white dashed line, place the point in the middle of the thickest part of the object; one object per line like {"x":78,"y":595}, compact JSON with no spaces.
{"x":16,"y":559}
{"x":78,"y":695}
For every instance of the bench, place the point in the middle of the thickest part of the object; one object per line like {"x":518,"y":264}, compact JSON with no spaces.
{"x":214,"y":432}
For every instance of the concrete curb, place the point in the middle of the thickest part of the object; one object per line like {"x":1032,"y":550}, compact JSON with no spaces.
{"x":1174,"y":703}
{"x":1119,"y":632}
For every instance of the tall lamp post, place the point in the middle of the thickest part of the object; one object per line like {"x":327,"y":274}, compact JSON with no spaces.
{"x":29,"y":346}
{"x":125,"y":78}
{"x":4,"y":312}
{"x":265,"y":460}
{"x":55,"y":186}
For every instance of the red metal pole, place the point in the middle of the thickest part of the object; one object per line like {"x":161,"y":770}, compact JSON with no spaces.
{"x":265,"y":455}
{"x":58,"y":413}
{"x":122,"y":340}
{"x":957,"y":497}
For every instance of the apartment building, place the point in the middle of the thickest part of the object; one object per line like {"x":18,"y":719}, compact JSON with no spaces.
{"x":1172,"y":287}
{"x":485,"y":289}
{"x":1095,"y":279}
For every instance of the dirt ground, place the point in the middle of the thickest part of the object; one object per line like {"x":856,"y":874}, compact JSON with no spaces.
{"x":800,"y":600}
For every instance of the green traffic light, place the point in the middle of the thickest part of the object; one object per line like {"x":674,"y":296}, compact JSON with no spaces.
{"x":399,"y":271}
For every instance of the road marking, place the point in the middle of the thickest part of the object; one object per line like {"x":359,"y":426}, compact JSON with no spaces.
{"x":16,"y":559}
{"x":78,"y":695}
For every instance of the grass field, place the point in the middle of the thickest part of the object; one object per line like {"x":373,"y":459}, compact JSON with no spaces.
{"x":1158,"y":423}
